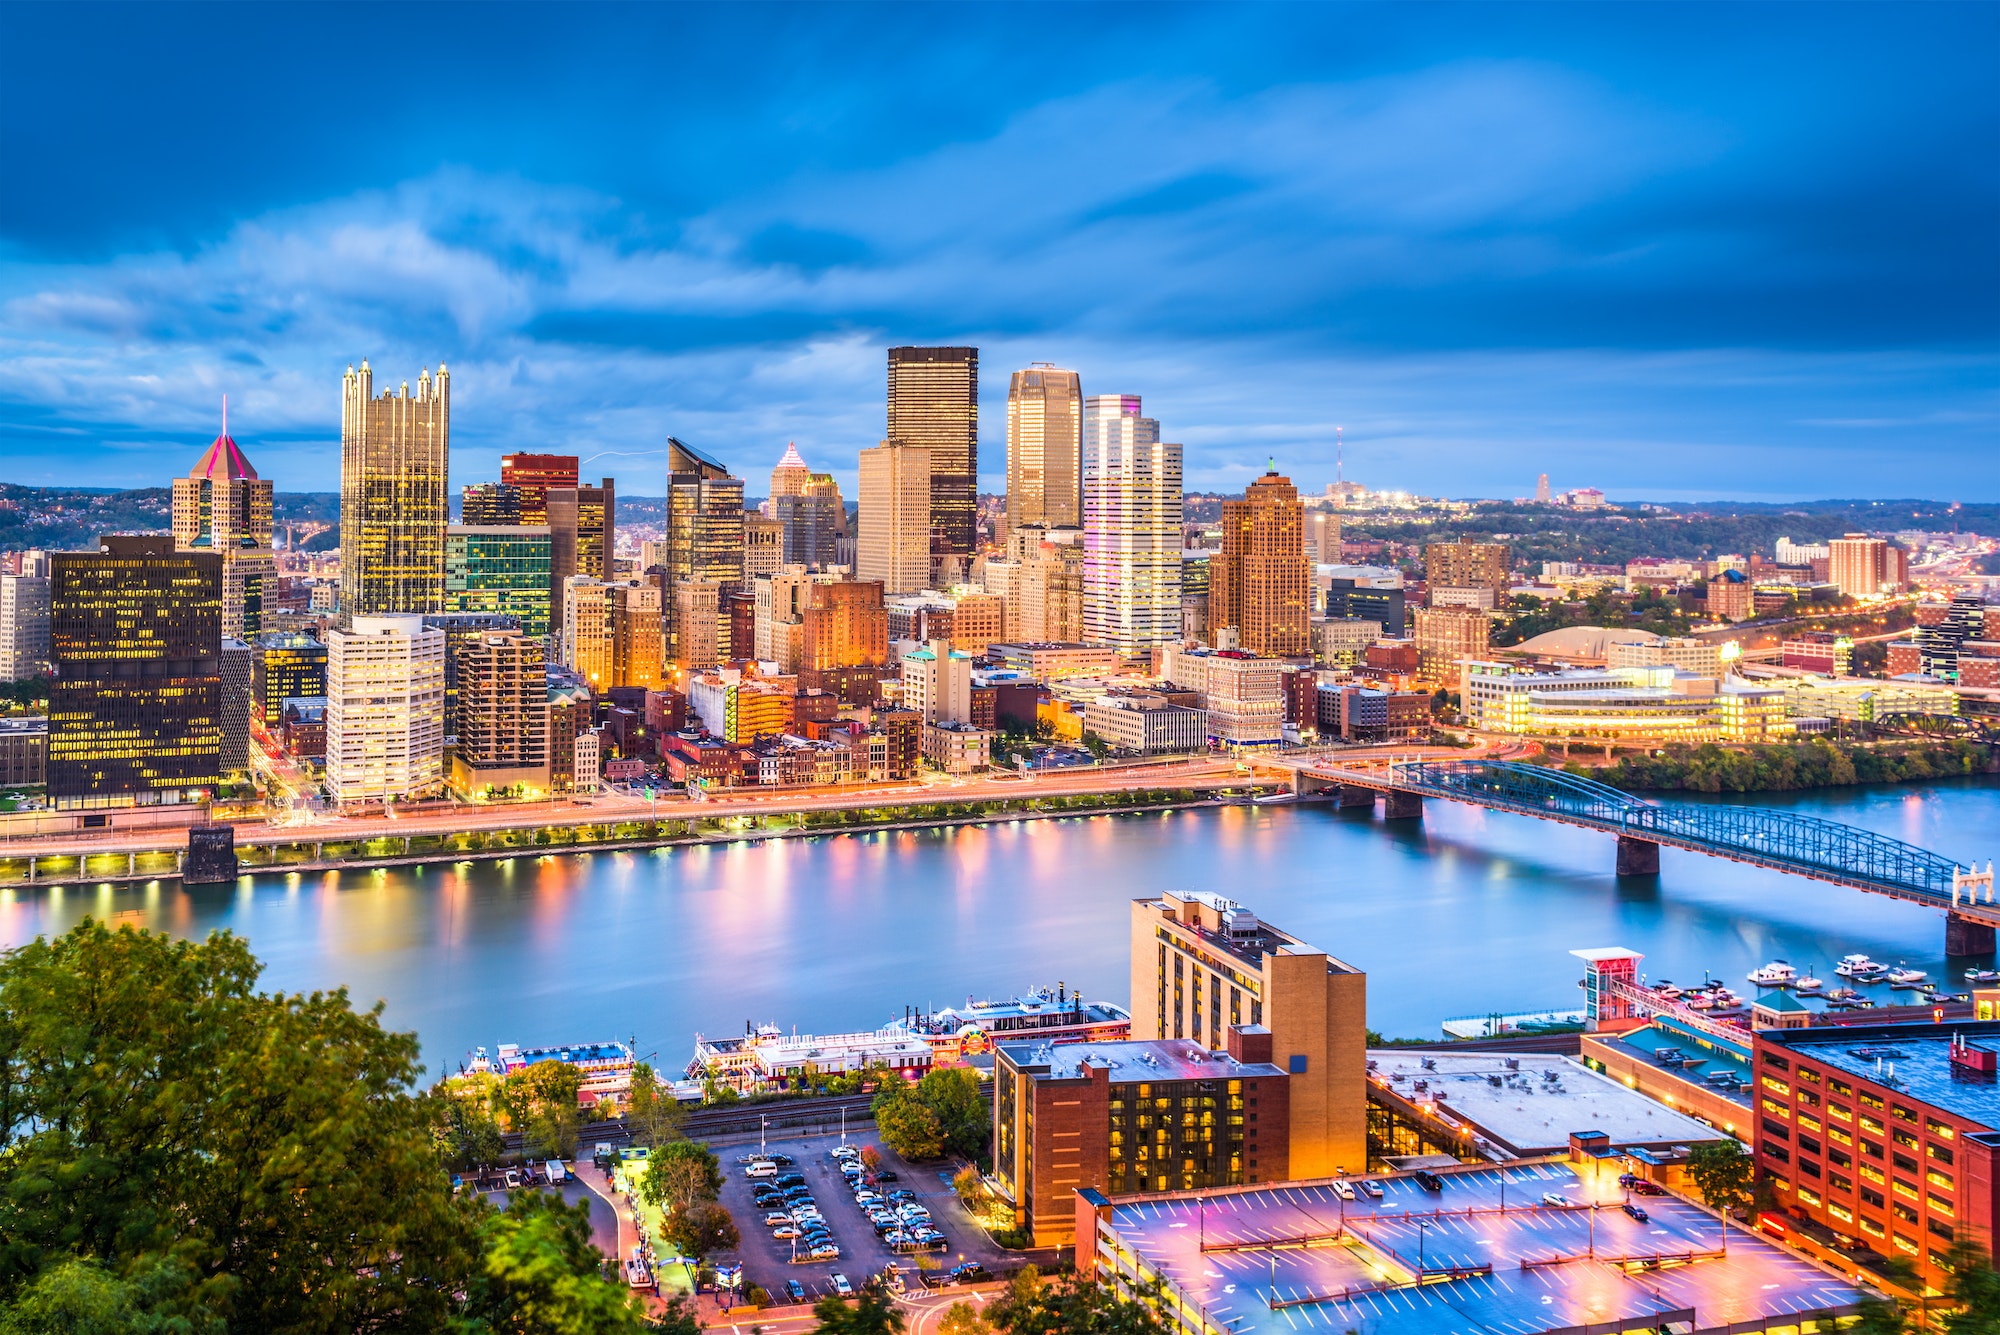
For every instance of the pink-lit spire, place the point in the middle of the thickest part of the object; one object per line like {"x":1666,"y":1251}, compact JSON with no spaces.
{"x":222,"y":461}
{"x":791,"y":458}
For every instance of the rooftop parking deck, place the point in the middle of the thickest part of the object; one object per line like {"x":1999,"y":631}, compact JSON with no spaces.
{"x":1484,"y":1254}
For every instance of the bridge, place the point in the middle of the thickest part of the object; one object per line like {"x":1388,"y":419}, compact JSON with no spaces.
{"x":1785,"y":841}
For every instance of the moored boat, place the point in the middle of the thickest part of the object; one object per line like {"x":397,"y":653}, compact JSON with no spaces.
{"x":1904,"y":976}
{"x":1775,"y":974}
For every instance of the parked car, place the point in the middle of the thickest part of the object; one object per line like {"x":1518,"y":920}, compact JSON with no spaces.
{"x":1372,"y":1190}
{"x":1636,"y":1212}
{"x":791,"y":1180}
{"x":1428,"y":1180}
{"x":1557,"y":1199}
{"x":1343,"y":1190}
{"x":968,"y":1273}
{"x":782,"y":1160}
{"x":825,"y":1252}
{"x":886,"y":1176}
{"x":785,"y":1230}
{"x":795,"y":1291}
{"x":1645,"y":1188}
{"x":842,"y":1287}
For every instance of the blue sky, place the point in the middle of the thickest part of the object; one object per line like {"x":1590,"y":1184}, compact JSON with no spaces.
{"x":1676,"y":252}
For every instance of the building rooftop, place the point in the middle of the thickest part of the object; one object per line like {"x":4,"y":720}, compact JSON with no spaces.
{"x":1473,"y":1253}
{"x":1134,"y":1059}
{"x":1694,"y":1059}
{"x":1532,"y":1106}
{"x":1910,"y":1059}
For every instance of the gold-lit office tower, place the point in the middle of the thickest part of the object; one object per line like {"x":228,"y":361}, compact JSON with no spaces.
{"x":1044,"y":447}
{"x":934,"y":405}
{"x":394,"y":497}
{"x":704,"y":544}
{"x":1259,"y":583}
{"x":222,"y":506}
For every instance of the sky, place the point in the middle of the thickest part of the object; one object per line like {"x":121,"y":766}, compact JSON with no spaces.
{"x":1678,"y":252}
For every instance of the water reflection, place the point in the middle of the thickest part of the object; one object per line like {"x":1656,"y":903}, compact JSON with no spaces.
{"x":1462,"y":913}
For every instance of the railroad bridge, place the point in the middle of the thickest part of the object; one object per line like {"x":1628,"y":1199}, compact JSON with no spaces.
{"x":1803,"y":845}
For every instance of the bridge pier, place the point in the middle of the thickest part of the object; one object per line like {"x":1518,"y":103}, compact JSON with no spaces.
{"x":1638,"y":857}
{"x":1967,"y":936}
{"x":1399,"y":805}
{"x":1353,"y":796}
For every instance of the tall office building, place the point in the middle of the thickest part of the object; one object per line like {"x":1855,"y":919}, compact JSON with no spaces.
{"x":934,"y":405}
{"x":637,"y":636}
{"x":1045,"y":447}
{"x":845,"y":625}
{"x":500,"y":570}
{"x":702,"y":638}
{"x":1259,"y":584}
{"x":1202,"y":964}
{"x":894,"y":541}
{"x":1131,"y":527}
{"x":1467,"y":565}
{"x":384,"y":710}
{"x":24,"y":627}
{"x":532,"y":475}
{"x":236,"y":703}
{"x":1322,"y":537}
{"x":487,"y":504}
{"x":813,"y":522}
{"x":222,"y":506}
{"x":394,"y":504}
{"x":583,"y":533}
{"x":584,"y":646}
{"x":288,"y":665}
{"x":502,"y":718}
{"x":1542,"y":489}
{"x":763,"y":545}
{"x":135,"y":709}
{"x":706,"y":539}
{"x":788,"y":478}
{"x":1446,"y":638}
{"x":1859,"y":565}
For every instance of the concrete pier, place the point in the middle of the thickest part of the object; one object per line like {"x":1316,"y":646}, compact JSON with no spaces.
{"x":1354,"y":796}
{"x":1638,"y":857}
{"x":1398,"y":805}
{"x":1966,"y":936}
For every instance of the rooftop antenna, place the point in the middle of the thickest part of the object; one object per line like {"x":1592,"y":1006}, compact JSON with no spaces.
{"x":225,"y":414}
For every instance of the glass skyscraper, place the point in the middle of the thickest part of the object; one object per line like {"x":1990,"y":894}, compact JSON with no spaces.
{"x":500,"y":570}
{"x":1044,"y":442}
{"x":1131,"y":527}
{"x":934,"y":403}
{"x":394,"y":497}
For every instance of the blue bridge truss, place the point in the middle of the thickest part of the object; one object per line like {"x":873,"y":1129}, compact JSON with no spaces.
{"x":1805,"y":845}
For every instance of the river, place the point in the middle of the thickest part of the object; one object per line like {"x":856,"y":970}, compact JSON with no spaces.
{"x":1465,"y":913}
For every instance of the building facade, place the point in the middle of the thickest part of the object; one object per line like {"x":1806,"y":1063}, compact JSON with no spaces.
{"x":24,"y":627}
{"x":1858,"y":565}
{"x":934,"y":406}
{"x":395,"y":500}
{"x":482,"y":504}
{"x":288,"y":665}
{"x":1467,"y":565}
{"x":135,"y":707}
{"x":532,"y":475}
{"x":1131,"y":527}
{"x":1447,"y":637}
{"x":222,"y":506}
{"x":583,"y":532}
{"x":894,"y":526}
{"x":1044,"y":447}
{"x":502,"y":719}
{"x":937,"y":683}
{"x":500,"y":570}
{"x":1259,"y":584}
{"x":705,"y":542}
{"x":1203,"y":965}
{"x":385,"y":710}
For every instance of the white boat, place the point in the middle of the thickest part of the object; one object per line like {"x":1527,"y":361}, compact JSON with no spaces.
{"x":1902,"y":976}
{"x":1775,"y":974}
{"x":1982,"y":976}
{"x":1853,"y":966}
{"x":1806,"y":985}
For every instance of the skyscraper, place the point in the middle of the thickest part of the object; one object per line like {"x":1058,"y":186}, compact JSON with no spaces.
{"x":1467,"y":565}
{"x":533,"y":475}
{"x":583,"y":532}
{"x":705,"y":542}
{"x":1542,"y":489}
{"x":789,"y":477}
{"x":24,"y":626}
{"x":1044,"y":447}
{"x":897,"y":502}
{"x":384,"y":709}
{"x":489,"y":504}
{"x":222,"y":506}
{"x":1131,"y":527}
{"x":934,"y":405}
{"x":394,"y":503}
{"x":135,"y":710}
{"x":501,"y":570}
{"x":814,"y":521}
{"x":502,"y":719}
{"x":1259,"y":584}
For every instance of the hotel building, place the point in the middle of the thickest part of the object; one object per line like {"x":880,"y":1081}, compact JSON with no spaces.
{"x":384,"y":710}
{"x":1203,"y":965}
{"x":394,"y":499}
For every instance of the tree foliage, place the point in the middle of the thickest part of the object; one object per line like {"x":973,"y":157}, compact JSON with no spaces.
{"x":652,"y":1118}
{"x":680,"y":1176}
{"x":1722,"y":1173}
{"x":945,"y":1112}
{"x":540,"y":1275}
{"x":1785,"y":766}
{"x":1072,"y":1305}
{"x":872,"y":1313}
{"x":541,"y":1102}
{"x":188,"y":1152}
{"x":702,"y":1229}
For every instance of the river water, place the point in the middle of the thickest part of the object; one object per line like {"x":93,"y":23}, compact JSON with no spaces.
{"x":1465,"y":913}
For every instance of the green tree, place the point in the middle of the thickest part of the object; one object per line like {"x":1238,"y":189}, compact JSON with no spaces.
{"x":652,"y":1117}
{"x":540,"y":1275}
{"x":1073,"y":1305}
{"x":541,"y":1103}
{"x":954,"y":1095}
{"x":81,"y":1297}
{"x":680,"y":1176}
{"x":467,"y":1133}
{"x":907,"y":1124}
{"x":962,"y":1319}
{"x":702,"y":1229}
{"x":1975,"y":1292}
{"x":872,"y":1313}
{"x":1722,"y":1173}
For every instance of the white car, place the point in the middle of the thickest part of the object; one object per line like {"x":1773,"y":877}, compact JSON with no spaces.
{"x":1342,"y":1190}
{"x":826,"y":1251}
{"x":1556,"y":1198}
{"x":842,"y":1287}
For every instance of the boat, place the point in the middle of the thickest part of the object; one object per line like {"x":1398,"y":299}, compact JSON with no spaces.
{"x":1851,"y":966}
{"x":1807,"y":985}
{"x":1775,"y":974}
{"x":1982,"y":975}
{"x":1903,"y":976}
{"x":1841,"y":994}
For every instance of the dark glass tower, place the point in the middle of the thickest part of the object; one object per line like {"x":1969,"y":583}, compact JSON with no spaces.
{"x":934,"y":402}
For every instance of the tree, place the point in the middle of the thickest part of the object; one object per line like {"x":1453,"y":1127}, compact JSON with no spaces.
{"x":653,"y":1118}
{"x":953,"y":1093}
{"x":540,"y":1275}
{"x":680,"y":1176}
{"x":1975,"y":1290}
{"x":873,"y":1313}
{"x":180,"y":1145}
{"x":541,"y":1103}
{"x":1722,"y":1173}
{"x":702,"y":1229}
{"x":961,"y":1319}
{"x":467,"y":1134}
{"x":1073,"y":1305}
{"x":871,"y":1158}
{"x":907,"y":1124}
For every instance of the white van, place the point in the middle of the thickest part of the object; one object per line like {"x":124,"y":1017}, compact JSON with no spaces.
{"x":761,"y":1168}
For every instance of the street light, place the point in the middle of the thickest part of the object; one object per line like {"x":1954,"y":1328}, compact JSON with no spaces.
{"x":1422,"y":1228}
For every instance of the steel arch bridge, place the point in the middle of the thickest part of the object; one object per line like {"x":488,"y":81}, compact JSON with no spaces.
{"x":1804,"y":845}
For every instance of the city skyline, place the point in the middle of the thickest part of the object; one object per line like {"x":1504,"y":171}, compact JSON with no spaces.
{"x":1272,"y":228}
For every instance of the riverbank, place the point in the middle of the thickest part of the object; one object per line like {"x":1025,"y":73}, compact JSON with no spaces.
{"x":1791,"y":766}
{"x":417,"y":850}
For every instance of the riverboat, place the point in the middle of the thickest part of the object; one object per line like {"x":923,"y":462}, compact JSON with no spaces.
{"x":956,"y":1033}
{"x":1775,"y":974}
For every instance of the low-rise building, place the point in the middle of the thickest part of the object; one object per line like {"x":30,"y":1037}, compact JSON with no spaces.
{"x":1819,"y":651}
{"x":1863,"y":700}
{"x":1137,"y":1116}
{"x":303,"y":725}
{"x":24,"y":752}
{"x":1053,"y":661}
{"x":957,"y":748}
{"x":1340,"y":642}
{"x":767,"y":1055}
{"x":1354,"y":712}
{"x":1141,"y":722}
{"x":1656,"y":703}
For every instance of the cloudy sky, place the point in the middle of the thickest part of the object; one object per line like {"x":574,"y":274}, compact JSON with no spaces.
{"x":1677,"y":252}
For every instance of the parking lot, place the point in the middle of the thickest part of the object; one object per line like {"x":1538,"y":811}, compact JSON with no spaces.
{"x":768,"y":1261}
